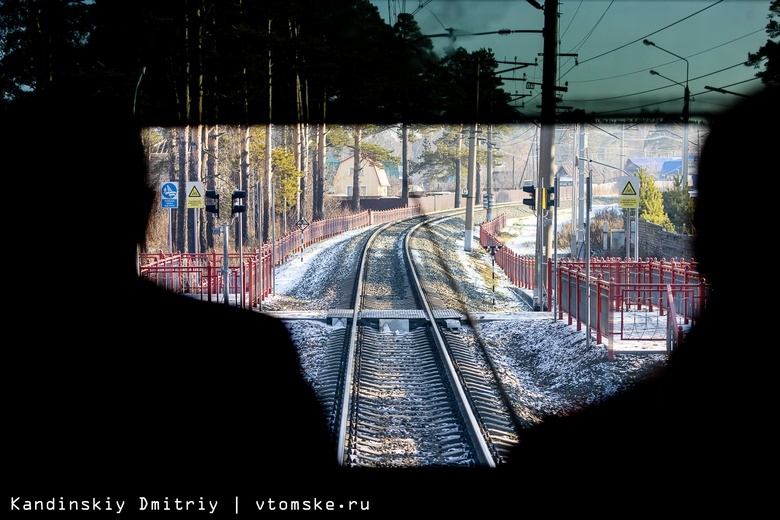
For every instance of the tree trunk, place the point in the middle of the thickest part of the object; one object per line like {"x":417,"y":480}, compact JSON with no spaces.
{"x":181,"y":220}
{"x":458,"y":166}
{"x":268,"y":207}
{"x":210,"y":184}
{"x":299,"y":132}
{"x":319,"y":172}
{"x":356,"y":173}
{"x":173,"y":216}
{"x":243,"y":183}
{"x":194,"y":175}
{"x":200,"y":131}
{"x":298,"y":155}
{"x":185,"y":143}
{"x":405,"y":165}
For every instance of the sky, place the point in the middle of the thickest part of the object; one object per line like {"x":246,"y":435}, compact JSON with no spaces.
{"x":610,"y":73}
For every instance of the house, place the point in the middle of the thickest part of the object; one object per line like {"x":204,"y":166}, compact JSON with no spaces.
{"x":663,"y":168}
{"x":415,"y":191}
{"x":373,"y":178}
{"x":673,"y":167}
{"x":653,"y":165}
{"x":565,"y":173}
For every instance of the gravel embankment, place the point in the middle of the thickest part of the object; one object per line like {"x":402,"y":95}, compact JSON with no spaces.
{"x":547,"y":366}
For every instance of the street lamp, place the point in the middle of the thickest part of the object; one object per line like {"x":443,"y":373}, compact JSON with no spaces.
{"x":724,"y":91}
{"x":686,"y":107}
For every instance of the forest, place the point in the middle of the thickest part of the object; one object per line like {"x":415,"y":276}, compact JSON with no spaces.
{"x":207,"y":78}
{"x":256,"y":96}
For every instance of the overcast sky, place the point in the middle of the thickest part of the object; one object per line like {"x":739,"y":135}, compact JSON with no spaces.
{"x":611,"y":72}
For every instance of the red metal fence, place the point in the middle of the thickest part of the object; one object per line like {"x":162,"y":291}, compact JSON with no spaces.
{"x":205,"y":275}
{"x":601,"y":292}
{"x":607,"y":293}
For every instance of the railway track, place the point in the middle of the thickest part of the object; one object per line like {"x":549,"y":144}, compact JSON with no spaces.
{"x":402,"y":388}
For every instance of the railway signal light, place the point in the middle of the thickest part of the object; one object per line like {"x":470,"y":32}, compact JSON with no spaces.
{"x":532,"y":201}
{"x":238,"y":207}
{"x":550,"y":198}
{"x":213,"y":207}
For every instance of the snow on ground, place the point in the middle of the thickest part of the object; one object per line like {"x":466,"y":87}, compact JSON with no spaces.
{"x":499,"y":286}
{"x":309,"y":263}
{"x":549,"y":366}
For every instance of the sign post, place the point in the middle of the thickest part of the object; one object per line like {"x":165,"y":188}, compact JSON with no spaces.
{"x":195,"y":195}
{"x":302,"y":224}
{"x":628,"y":192}
{"x":169,"y":198}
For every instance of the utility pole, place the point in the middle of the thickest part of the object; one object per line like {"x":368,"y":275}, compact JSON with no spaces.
{"x":580,"y":232}
{"x":489,"y":183}
{"x":471,"y":187}
{"x":546,"y":177}
{"x":471,"y":183}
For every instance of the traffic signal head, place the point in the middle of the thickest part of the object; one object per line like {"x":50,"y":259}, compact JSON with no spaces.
{"x":238,"y":207}
{"x":532,"y":201}
{"x":550,"y":198}
{"x":213,"y":207}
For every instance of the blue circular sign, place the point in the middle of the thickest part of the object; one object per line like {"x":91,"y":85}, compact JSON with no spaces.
{"x":169,"y":195}
{"x":169,"y":190}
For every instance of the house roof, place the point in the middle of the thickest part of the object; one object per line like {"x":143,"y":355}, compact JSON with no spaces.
{"x":651,"y":164}
{"x":674,"y":165}
{"x":565,"y":173}
{"x":381,"y":174}
{"x":671,"y":167}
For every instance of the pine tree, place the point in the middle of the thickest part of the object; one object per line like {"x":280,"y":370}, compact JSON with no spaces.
{"x":651,"y":202}
{"x":679,"y":205}
{"x":769,"y":54}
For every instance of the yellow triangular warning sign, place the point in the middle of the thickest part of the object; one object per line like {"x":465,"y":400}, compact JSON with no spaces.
{"x":628,"y":189}
{"x":194,"y":192}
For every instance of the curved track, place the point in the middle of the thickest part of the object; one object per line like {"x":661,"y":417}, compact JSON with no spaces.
{"x":407,"y":391}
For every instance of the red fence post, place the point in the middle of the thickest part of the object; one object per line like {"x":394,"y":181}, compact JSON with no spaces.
{"x":578,"y":300}
{"x":599,"y":282}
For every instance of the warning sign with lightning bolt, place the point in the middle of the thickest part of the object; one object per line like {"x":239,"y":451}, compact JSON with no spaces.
{"x":195,"y":194}
{"x":628,"y":188}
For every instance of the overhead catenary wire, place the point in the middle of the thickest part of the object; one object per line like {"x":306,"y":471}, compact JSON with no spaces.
{"x":579,"y":62}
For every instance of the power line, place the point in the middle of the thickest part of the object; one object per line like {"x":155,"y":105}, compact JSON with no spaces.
{"x":650,"y":34}
{"x":654,"y":103}
{"x":633,"y":94}
{"x":608,"y":78}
